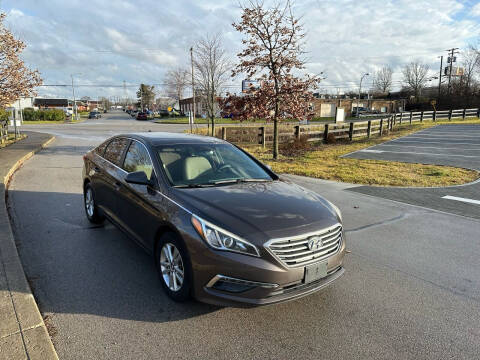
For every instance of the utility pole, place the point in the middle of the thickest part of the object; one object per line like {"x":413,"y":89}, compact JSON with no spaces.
{"x":141,"y":96}
{"x":193,"y":91}
{"x":74,"y":105}
{"x":440,"y":78}
{"x":360,"y":92}
{"x":451,"y":59}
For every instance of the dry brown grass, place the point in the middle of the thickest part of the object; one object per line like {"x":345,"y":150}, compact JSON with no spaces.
{"x":324,"y":161}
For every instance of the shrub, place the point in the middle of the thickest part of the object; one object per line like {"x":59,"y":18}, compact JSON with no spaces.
{"x":296,"y":148}
{"x":43,"y":115}
{"x":3,"y":115}
{"x":331,"y":139}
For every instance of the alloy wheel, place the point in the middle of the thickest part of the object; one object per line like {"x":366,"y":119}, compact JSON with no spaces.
{"x":89,"y":203}
{"x":171,"y":265}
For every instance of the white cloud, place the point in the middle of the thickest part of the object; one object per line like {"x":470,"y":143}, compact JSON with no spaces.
{"x":138,"y":41}
{"x":476,"y":10}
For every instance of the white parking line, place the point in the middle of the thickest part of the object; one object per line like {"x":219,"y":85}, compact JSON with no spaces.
{"x":420,"y":153}
{"x":432,"y":147}
{"x":471,"y":201}
{"x":428,"y":142}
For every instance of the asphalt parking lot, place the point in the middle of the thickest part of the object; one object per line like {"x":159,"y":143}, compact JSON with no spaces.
{"x":409,"y":291}
{"x":453,"y":145}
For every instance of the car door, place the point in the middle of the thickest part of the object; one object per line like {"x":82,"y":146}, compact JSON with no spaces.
{"x":137,"y":202}
{"x":111,"y":177}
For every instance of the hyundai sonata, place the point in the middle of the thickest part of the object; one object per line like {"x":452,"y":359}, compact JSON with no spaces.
{"x":222,"y":227}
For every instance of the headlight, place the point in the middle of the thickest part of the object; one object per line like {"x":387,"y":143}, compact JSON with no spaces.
{"x":220,"y":239}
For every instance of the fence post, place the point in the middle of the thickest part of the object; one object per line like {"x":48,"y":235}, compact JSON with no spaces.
{"x":381,"y":127}
{"x":394,"y":118}
{"x":224,"y":133}
{"x":434,"y":116}
{"x":401,"y":117}
{"x":350,"y":131}
{"x":325,"y":133}
{"x":297,"y":131}
{"x":450,"y":115}
{"x":421,"y":116}
{"x":391,"y":123}
{"x":478,"y":113}
{"x":262,"y":136}
{"x":411,"y":116}
{"x":464,"y":115}
{"x":369,"y":128}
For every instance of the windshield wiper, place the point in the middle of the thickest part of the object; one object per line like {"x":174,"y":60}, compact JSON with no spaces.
{"x":192,"y":185}
{"x":238,"y":181}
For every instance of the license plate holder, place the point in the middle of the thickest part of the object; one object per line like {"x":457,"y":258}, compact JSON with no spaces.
{"x":315,"y":272}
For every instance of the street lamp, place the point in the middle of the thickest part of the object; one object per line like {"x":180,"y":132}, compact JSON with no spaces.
{"x":74,"y":107}
{"x":359,"y":92}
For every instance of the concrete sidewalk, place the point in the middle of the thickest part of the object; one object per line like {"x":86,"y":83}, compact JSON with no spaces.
{"x":23,"y":334}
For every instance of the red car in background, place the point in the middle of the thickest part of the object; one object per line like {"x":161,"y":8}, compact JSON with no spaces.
{"x":142,"y":116}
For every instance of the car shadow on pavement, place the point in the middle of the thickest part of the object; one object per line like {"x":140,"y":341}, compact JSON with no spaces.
{"x":76,"y":267}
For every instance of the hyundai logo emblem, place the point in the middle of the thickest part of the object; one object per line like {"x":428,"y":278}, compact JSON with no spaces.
{"x":315,"y":243}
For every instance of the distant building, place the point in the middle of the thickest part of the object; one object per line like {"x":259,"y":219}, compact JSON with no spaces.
{"x":186,"y":106}
{"x":327,"y":107}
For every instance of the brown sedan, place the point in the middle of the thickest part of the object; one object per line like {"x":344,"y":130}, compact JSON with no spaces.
{"x":222,"y":226}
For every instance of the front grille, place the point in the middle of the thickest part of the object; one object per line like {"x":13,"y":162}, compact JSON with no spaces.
{"x":295,"y":251}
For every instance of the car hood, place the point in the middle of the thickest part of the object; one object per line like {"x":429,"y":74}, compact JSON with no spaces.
{"x":259,"y":211}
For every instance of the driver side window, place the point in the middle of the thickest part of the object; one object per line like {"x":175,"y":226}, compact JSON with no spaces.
{"x":137,"y":159}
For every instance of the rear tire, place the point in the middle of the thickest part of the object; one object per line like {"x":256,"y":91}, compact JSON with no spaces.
{"x":91,"y":209}
{"x":174,"y":268}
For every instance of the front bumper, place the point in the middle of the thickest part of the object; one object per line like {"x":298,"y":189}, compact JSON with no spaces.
{"x":265,"y":279}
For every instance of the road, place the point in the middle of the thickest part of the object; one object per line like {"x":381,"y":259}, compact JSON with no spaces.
{"x":452,"y":145}
{"x":411,"y":288}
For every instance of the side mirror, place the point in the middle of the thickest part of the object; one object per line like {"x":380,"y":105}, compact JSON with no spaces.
{"x":137,"y":177}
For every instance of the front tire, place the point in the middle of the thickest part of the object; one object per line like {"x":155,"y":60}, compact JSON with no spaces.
{"x":174,"y":269}
{"x":91,"y":209}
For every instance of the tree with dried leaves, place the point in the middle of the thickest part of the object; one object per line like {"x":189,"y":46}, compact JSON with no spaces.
{"x":471,"y":67}
{"x":211,"y":68}
{"x":382,"y":82}
{"x":176,"y":81}
{"x":272,"y":52}
{"x":146,"y":96}
{"x":415,"y":77}
{"x":16,"y":80}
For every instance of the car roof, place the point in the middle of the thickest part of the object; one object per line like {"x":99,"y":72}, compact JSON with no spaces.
{"x":167,"y":138}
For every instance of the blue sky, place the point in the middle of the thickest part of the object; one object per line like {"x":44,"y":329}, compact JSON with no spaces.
{"x":136,"y":41}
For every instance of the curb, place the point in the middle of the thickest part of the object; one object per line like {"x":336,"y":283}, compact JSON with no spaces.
{"x":23,"y":331}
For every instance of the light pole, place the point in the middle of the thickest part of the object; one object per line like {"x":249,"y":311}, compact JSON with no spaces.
{"x":74,"y":107}
{"x":359,"y":93}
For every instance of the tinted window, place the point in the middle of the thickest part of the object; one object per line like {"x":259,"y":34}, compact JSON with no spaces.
{"x":188,"y":164}
{"x":137,"y":159}
{"x":114,"y":150}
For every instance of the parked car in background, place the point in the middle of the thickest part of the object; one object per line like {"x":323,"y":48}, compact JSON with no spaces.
{"x":133,"y":113}
{"x":142,"y":116}
{"x":94,"y":115}
{"x":163,"y":113}
{"x":222,"y":226}
{"x":359,"y":110}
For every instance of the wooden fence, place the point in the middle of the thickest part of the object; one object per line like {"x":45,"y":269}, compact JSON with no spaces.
{"x":263,"y":135}
{"x":3,"y":131}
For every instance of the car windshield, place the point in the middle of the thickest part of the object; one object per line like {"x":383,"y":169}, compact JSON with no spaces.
{"x":196,"y":165}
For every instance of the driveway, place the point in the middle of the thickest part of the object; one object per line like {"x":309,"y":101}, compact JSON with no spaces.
{"x":453,"y":145}
{"x":410,"y":290}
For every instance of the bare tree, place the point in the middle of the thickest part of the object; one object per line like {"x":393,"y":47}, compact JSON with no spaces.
{"x":16,"y":80}
{"x":383,"y":80}
{"x":211,"y":68}
{"x":176,"y":81}
{"x":272,"y":50}
{"x":415,"y":77}
{"x":471,"y":66}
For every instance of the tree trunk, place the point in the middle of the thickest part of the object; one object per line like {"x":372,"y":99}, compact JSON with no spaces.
{"x":275,"y":138}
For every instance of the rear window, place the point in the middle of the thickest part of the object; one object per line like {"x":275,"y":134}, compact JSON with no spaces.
{"x":115,"y":149}
{"x":100,"y":149}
